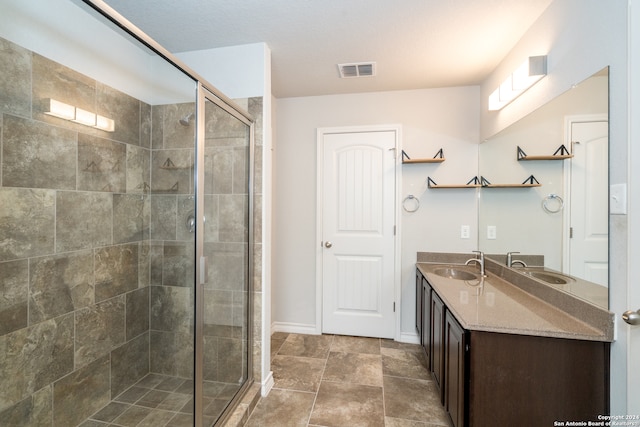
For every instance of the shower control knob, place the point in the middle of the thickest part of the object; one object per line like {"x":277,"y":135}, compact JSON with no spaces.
{"x":328,"y":244}
{"x":191,"y":223}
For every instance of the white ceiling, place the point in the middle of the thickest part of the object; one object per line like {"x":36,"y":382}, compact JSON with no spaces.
{"x":415,"y":43}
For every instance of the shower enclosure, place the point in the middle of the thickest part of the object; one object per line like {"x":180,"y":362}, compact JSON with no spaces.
{"x":126,"y":227}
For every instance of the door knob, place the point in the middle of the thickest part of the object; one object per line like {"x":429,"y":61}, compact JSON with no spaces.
{"x":631,"y":317}
{"x":328,"y":244}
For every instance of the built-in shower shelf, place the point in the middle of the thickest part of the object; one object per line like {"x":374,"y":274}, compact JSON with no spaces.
{"x":169,"y":165}
{"x":173,"y":189}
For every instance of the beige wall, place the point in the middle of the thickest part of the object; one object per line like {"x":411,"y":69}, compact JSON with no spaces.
{"x":431,"y":119}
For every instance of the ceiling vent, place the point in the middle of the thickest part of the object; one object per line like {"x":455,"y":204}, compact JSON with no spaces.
{"x":357,"y":69}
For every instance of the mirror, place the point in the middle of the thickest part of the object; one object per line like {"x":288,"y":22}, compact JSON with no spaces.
{"x":565,"y":219}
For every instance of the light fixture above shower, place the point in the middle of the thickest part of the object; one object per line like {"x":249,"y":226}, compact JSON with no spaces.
{"x":65,"y":111}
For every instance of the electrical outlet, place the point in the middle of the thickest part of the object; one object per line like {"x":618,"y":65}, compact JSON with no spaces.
{"x":465,"y":232}
{"x":491,"y":232}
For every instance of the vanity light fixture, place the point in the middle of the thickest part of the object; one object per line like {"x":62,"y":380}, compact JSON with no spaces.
{"x":61,"y":110}
{"x":525,"y":76}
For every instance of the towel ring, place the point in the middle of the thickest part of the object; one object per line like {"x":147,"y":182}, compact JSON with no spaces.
{"x":411,"y":207}
{"x":559,"y":203}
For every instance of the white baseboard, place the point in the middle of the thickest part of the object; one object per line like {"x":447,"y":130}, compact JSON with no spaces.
{"x":294,"y":328}
{"x":303,"y":328}
{"x":267,"y":384}
{"x":409,"y":337}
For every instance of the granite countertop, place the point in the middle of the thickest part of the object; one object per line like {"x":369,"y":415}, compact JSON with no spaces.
{"x":588,"y":291}
{"x":495,"y":305}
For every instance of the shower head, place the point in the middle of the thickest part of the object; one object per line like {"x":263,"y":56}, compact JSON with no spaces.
{"x":186,"y":120}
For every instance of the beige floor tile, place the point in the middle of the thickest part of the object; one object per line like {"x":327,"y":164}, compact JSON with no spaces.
{"x":399,"y":422}
{"x":307,"y":346}
{"x":348,"y":405}
{"x":279,"y":335}
{"x":385,"y":343}
{"x":412,"y":399}
{"x":349,"y":344}
{"x":275,"y":346}
{"x":297,"y":373}
{"x":354,"y":368}
{"x":403,"y":363}
{"x":282,"y":408}
{"x":320,"y":381}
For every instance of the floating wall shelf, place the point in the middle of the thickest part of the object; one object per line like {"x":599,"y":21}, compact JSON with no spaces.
{"x":438,"y":158}
{"x":529,"y":182}
{"x":482,"y":182}
{"x":560,"y":154}
{"x":473,"y":183}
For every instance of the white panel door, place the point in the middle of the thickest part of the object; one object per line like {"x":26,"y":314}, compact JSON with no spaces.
{"x":589,"y":246}
{"x":358,"y":211}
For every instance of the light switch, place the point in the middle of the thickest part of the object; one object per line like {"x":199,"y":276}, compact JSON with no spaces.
{"x":618,"y":199}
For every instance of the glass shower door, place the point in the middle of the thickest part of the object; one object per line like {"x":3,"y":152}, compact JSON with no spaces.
{"x":224,"y":289}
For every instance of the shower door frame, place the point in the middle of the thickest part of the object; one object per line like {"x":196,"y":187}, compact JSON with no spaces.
{"x":204,"y":95}
{"x":204,"y":91}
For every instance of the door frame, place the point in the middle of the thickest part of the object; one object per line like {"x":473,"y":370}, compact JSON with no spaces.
{"x":566,"y":212}
{"x":397,"y":290}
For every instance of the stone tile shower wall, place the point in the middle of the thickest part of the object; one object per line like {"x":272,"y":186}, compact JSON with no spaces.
{"x":172,"y":266}
{"x":226,"y":244}
{"x":74,"y":244}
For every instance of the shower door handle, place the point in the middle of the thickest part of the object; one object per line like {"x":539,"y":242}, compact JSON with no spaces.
{"x":203,"y":270}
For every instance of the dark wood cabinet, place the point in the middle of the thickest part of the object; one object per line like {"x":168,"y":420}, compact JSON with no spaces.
{"x":490,"y":378}
{"x":419,"y":299}
{"x":533,"y":381}
{"x":436,"y":350}
{"x":426,"y":320}
{"x":455,"y":370}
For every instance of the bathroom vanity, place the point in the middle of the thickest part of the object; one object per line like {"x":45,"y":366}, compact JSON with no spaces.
{"x":506,"y":349}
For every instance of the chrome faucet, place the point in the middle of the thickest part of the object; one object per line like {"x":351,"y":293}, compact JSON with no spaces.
{"x":478,"y":260}
{"x":511,"y":261}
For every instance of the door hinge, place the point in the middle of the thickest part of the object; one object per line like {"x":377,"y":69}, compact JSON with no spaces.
{"x":466,"y":347}
{"x":394,"y":306}
{"x":394,"y":230}
{"x":571,"y":232}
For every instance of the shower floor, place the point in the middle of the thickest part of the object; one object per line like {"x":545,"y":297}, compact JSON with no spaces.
{"x":161,"y":400}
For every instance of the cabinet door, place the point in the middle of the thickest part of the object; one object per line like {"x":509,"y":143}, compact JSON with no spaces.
{"x":426,"y":320}
{"x":437,"y":342}
{"x":419,"y":298}
{"x":454,"y":378}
